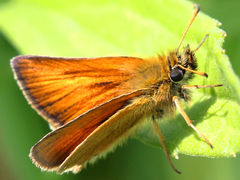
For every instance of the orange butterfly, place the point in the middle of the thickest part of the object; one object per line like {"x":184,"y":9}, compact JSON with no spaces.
{"x":94,"y":103}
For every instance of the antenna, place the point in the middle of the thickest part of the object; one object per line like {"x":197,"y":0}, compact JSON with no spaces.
{"x":190,"y":23}
{"x":201,"y":43}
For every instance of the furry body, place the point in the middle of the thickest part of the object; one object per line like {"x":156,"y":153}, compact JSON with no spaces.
{"x":94,"y":104}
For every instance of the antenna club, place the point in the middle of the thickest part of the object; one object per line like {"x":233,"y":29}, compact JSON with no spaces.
{"x":197,"y":6}
{"x":190,"y":23}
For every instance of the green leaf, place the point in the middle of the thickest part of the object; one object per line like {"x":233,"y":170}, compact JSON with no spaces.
{"x":139,"y":28}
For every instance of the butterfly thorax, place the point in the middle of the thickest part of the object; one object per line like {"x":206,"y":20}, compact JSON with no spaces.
{"x":165,"y":76}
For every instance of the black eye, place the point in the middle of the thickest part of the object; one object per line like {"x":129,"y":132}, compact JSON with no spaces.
{"x":177,"y":74}
{"x":179,"y":59}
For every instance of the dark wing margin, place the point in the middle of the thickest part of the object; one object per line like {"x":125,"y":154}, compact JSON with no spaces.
{"x":51,"y":151}
{"x":61,"y":89}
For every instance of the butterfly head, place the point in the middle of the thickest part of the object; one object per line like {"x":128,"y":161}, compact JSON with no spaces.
{"x":179,"y":63}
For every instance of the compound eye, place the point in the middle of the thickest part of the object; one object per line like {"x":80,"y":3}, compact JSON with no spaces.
{"x":177,"y":74}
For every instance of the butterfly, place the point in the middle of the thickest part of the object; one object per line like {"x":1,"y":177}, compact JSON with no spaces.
{"x":93,"y":104}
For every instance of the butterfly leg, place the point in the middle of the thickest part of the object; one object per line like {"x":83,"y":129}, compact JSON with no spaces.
{"x":187,"y":119}
{"x":193,"y":71}
{"x":199,"y":86}
{"x":160,"y":136}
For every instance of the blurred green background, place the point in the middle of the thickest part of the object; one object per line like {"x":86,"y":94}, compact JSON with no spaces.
{"x":21,"y":126}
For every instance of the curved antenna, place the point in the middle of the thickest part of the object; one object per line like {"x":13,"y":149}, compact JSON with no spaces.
{"x":201,"y":43}
{"x":190,"y":23}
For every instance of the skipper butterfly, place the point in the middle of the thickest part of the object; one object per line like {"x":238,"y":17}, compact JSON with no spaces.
{"x":92,"y":104}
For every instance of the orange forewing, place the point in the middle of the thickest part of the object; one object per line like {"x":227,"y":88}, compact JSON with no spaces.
{"x":50,"y":152}
{"x":61,"y":89}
